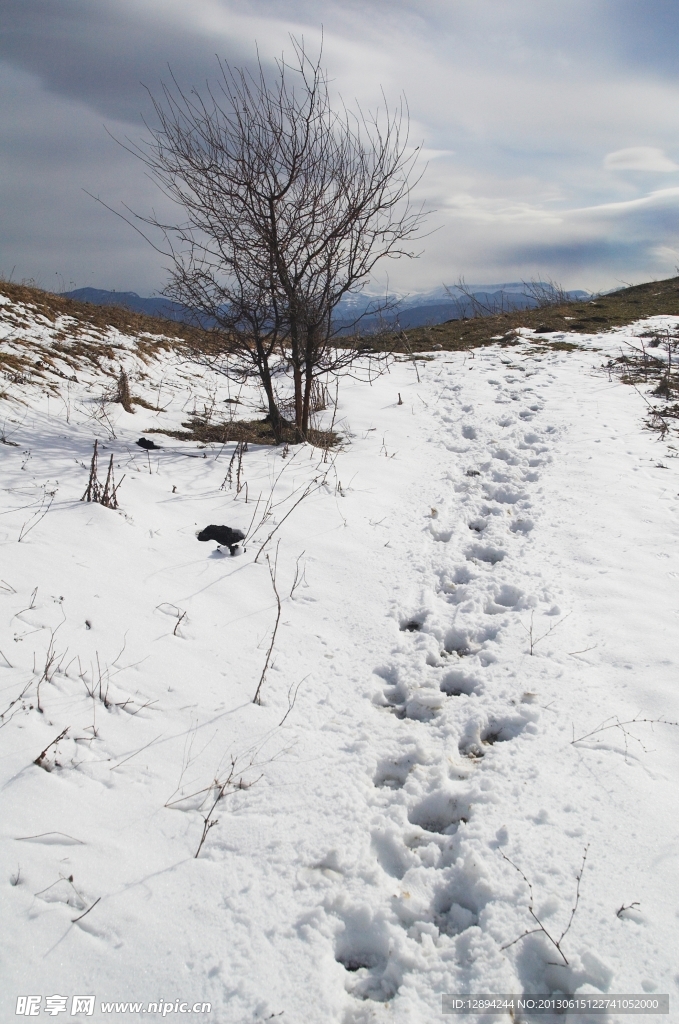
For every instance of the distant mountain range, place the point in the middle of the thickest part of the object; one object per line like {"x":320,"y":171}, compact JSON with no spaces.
{"x":434,"y":307}
{"x":156,"y":306}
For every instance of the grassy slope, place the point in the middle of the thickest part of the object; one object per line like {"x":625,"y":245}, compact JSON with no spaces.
{"x":100,"y":318}
{"x":615,"y":310}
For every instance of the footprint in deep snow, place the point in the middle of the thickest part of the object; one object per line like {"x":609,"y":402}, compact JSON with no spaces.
{"x":477,"y":740}
{"x":485,"y":553}
{"x":363,"y":948}
{"x":506,"y":598}
{"x":521,"y":525}
{"x":393,"y":774}
{"x":503,"y":494}
{"x":457,"y":683}
{"x":440,"y":812}
{"x":478,"y":525}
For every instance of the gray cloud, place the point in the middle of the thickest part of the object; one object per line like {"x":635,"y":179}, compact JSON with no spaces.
{"x":100,"y":53}
{"x":520,"y":104}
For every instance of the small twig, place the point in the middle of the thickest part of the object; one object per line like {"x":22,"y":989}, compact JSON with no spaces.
{"x":272,"y":573}
{"x":41,"y":835}
{"x":291,"y":702}
{"x":134,"y":753}
{"x":297,"y":582}
{"x":75,"y":920}
{"x":208,"y":821}
{"x":179,"y":621}
{"x":40,"y":757}
{"x":534,"y":641}
{"x":630,"y":906}
{"x":307,"y":491}
{"x":540,"y":927}
{"x":615,"y":723}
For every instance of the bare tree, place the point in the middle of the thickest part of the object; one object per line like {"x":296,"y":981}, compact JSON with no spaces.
{"x":287,"y":205}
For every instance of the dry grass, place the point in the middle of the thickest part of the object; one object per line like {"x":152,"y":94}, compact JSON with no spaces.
{"x":81,"y":336}
{"x":653,"y":360}
{"x":101,"y":318}
{"x":250,"y":431}
{"x":615,"y":310}
{"x":87,"y":341}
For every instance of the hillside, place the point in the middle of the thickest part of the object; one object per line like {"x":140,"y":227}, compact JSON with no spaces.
{"x":616,"y":309}
{"x":71,"y":319}
{"x":656,"y":298}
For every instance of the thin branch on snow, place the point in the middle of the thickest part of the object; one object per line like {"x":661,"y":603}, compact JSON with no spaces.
{"x":540,"y":926}
{"x":614,"y":723}
{"x":272,"y":573}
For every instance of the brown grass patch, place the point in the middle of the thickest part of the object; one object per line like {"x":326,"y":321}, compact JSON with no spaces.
{"x":251,"y":431}
{"x":144,"y":404}
{"x":656,"y":298}
{"x":101,"y":318}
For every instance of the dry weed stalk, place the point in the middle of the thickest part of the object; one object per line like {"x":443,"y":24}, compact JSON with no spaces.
{"x":38,"y":516}
{"x":237,"y":458}
{"x":533,"y":640}
{"x":292,"y":698}
{"x":272,"y":573}
{"x":540,"y":926}
{"x":106,"y":495}
{"x":49,"y":668}
{"x":122,"y":393}
{"x":6,"y":716}
{"x":41,"y":759}
{"x":636,"y":366}
{"x":300,"y":578}
{"x":220,"y":789}
{"x":233,"y":780}
{"x":614,"y":723}
{"x":313,"y":486}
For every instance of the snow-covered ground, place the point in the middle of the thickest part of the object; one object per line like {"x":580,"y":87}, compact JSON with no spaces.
{"x":482,"y":575}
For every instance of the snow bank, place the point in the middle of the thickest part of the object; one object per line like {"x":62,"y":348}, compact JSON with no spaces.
{"x":481,"y":576}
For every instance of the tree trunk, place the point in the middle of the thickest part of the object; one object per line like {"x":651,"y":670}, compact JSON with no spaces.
{"x":299,"y":406}
{"x":275,"y":417}
{"x":308,"y":381}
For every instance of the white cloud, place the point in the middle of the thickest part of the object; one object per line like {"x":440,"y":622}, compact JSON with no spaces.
{"x":639,"y":158}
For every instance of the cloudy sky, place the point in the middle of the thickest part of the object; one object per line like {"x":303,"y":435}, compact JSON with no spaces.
{"x":551,"y":127}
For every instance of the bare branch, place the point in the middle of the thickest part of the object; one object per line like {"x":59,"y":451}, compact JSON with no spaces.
{"x":272,"y":573}
{"x":531,"y":910}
